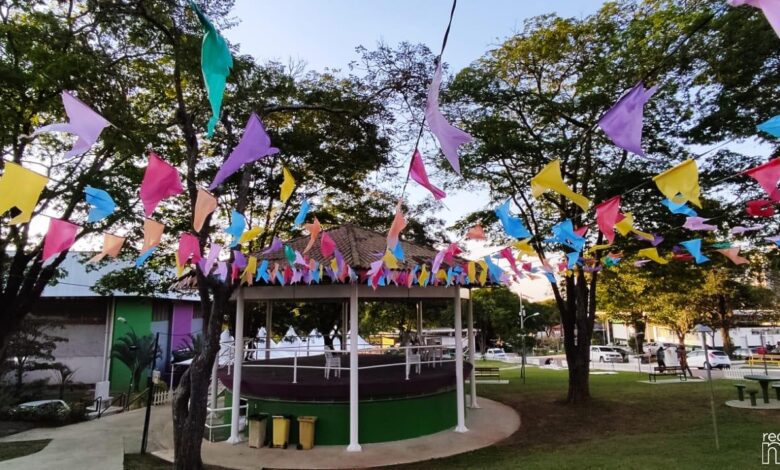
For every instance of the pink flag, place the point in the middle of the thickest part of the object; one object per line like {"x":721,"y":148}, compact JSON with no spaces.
{"x":417,"y":172}
{"x":507,"y":254}
{"x":733,"y":255}
{"x":476,"y":233}
{"x":449,"y":136}
{"x":739,"y":230}
{"x":399,"y":222}
{"x":607,"y":215}
{"x":768,"y":175}
{"x":60,"y":237}
{"x":160,"y":181}
{"x":697,"y":223}
{"x":188,"y":247}
{"x":111,"y":246}
{"x":581,"y":231}
{"x":760,"y":208}
{"x":82,"y":121}
{"x":771,"y":9}
{"x":327,"y":245}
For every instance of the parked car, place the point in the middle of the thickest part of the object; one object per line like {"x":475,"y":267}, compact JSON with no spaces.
{"x":652,"y":346}
{"x":496,"y":354}
{"x":604,"y":354}
{"x":717,"y":359}
{"x":55,"y":404}
{"x":623,"y":351}
{"x":744,"y":353}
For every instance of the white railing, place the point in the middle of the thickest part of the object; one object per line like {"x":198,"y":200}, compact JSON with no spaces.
{"x":218,"y":413}
{"x":161,"y":396}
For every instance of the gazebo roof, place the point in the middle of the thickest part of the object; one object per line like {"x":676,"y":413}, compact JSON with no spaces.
{"x":359,"y":246}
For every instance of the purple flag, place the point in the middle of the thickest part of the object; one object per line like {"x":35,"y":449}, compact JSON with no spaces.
{"x":623,"y":122}
{"x":82,"y":121}
{"x":449,"y":136}
{"x":254,"y":145}
{"x":208,"y":262}
{"x":276,"y":245}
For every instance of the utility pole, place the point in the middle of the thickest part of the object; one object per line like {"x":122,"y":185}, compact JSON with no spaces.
{"x":150,"y":397}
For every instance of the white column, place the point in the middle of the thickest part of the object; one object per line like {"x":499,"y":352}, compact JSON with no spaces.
{"x":419,"y":320}
{"x":461,"y":427}
{"x":606,"y":332}
{"x":238,"y":360}
{"x":214,"y":383}
{"x":344,"y":322}
{"x":354,"y":445}
{"x":472,"y":354}
{"x":269,"y":313}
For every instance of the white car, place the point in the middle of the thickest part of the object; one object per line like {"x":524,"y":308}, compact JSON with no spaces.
{"x":604,"y":354}
{"x":496,"y":354}
{"x":652,"y":346}
{"x":717,"y":359}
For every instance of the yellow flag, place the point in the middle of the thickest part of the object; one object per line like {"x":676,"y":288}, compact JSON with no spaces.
{"x":390,"y":260}
{"x":626,"y":226}
{"x":288,"y":184}
{"x":205,"y":204}
{"x":423,"y":275}
{"x":179,"y":267}
{"x":249,"y":272}
{"x":652,"y":253}
{"x":525,"y":247}
{"x":550,"y":178}
{"x":472,"y":272}
{"x":249,"y":235}
{"x":20,"y":188}
{"x":442,"y":275}
{"x":483,"y":273}
{"x":597,"y":248}
{"x":681,"y":183}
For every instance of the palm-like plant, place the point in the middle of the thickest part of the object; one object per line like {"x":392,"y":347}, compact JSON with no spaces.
{"x":136,"y":353}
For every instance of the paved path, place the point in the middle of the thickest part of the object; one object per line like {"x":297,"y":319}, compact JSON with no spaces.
{"x":97,"y":444}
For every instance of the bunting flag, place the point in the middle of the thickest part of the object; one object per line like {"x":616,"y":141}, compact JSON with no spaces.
{"x":390,"y":260}
{"x":525,"y":247}
{"x":207,"y":263}
{"x":626,"y":226}
{"x":698,"y":223}
{"x":572,"y":257}
{"x":550,"y":178}
{"x":680,"y":184}
{"x":83,"y":122}
{"x":775,"y":239}
{"x":624,"y":121}
{"x":483,"y":272}
{"x":740,"y":230}
{"x":423,"y":280}
{"x":399,"y":223}
{"x":161,"y":180}
{"x":681,"y":208}
{"x":641,"y":262}
{"x":236,"y":227}
{"x":314,"y":230}
{"x":60,"y":236}
{"x":327,"y":245}
{"x":20,"y":188}
{"x":248,"y":276}
{"x":262,"y":271}
{"x":153,"y":231}
{"x":472,"y":272}
{"x":276,"y":245}
{"x":189,"y":248}
{"x":607,"y":215}
{"x":733,"y":255}
{"x":563,"y":233}
{"x":760,"y":208}
{"x":102,"y":204}
{"x":513,"y":226}
{"x":398,"y":251}
{"x":768,"y":175}
{"x":215,"y":62}
{"x":506,"y":253}
{"x":250,"y":235}
{"x":302,"y":213}
{"x":771,"y":126}
{"x":205,"y":204}
{"x":111,"y":246}
{"x":476,"y":233}
{"x":254,"y":145}
{"x":496,"y":273}
{"x":449,"y":136}
{"x":694,"y":248}
{"x":652,"y":253}
{"x":417,"y":173}
{"x":221,"y":271}
{"x":288,"y":185}
{"x":771,"y":9}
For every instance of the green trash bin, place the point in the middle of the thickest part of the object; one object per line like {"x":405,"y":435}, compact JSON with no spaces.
{"x":306,"y":432}
{"x":257,"y":430}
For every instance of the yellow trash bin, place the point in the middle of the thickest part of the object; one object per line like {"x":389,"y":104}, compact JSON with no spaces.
{"x":281,"y":432}
{"x":306,"y":432}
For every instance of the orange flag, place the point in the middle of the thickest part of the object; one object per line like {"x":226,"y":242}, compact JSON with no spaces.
{"x":733,"y":255}
{"x":399,"y":223}
{"x":205,"y":204}
{"x":111,"y":246}
{"x":314,"y":229}
{"x":153,"y":231}
{"x":476,"y":233}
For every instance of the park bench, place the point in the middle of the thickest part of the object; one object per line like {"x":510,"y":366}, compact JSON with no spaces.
{"x":670,"y":370}
{"x":487,"y":373}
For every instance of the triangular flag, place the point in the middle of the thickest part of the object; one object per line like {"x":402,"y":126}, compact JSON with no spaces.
{"x":102,"y":204}
{"x":314,"y":229}
{"x":236,"y":227}
{"x":189,"y":247}
{"x":771,"y":126}
{"x":652,"y":253}
{"x":768,"y":175}
{"x":82,"y":121}
{"x":525,"y":247}
{"x":327,"y":245}
{"x":301,"y":217}
{"x":476,"y":233}
{"x":483,"y":273}
{"x":626,"y":226}
{"x":205,"y":204}
{"x":60,"y":236}
{"x":111,"y":246}
{"x":449,"y":136}
{"x":698,"y":223}
{"x":681,"y":208}
{"x":680,"y":184}
{"x":550,"y":178}
{"x":250,"y":235}
{"x":399,"y":223}
{"x":733,"y":255}
{"x":417,"y":173}
{"x":624,"y":121}
{"x":254,"y":145}
{"x":513,"y":226}
{"x":760,"y":208}
{"x":694,"y":248}
{"x":161,"y":180}
{"x":153,"y":231}
{"x":20,"y":188}
{"x":288,"y":185}
{"x":207,"y":263}
{"x":607,"y":215}
{"x":248,"y":275}
{"x":216,"y":63}
{"x":276,"y":245}
{"x":389,"y":260}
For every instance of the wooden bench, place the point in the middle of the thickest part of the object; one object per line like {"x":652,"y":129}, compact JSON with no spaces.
{"x":487,"y":373}
{"x":670,"y":370}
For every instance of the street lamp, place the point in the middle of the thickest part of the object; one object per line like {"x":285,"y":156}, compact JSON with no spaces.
{"x":705,"y":330}
{"x":522,"y":337}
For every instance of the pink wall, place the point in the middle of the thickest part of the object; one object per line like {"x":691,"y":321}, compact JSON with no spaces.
{"x":181,"y":325}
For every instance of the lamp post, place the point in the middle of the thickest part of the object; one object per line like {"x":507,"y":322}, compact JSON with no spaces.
{"x":704,"y":330}
{"x":522,"y":337}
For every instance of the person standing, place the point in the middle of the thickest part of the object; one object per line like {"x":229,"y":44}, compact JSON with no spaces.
{"x":659,"y":354}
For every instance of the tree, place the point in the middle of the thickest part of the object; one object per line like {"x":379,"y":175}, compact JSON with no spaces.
{"x":32,"y":348}
{"x":64,"y":376}
{"x":136,"y":352}
{"x":495,"y":315}
{"x":623,"y":296}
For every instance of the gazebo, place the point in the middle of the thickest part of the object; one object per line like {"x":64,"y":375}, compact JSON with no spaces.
{"x":383,"y":381}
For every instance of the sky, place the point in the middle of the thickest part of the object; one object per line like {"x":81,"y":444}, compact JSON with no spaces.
{"x":324,"y":34}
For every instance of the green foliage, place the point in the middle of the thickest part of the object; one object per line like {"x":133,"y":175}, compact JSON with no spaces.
{"x":32,"y":348}
{"x":136,"y":352}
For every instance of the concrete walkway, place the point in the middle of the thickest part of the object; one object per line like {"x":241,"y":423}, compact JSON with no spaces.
{"x":98,"y":444}
{"x":491,"y":423}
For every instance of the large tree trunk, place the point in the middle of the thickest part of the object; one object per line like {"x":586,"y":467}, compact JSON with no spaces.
{"x":639,"y":334}
{"x":577,"y":317}
{"x":725,"y":323}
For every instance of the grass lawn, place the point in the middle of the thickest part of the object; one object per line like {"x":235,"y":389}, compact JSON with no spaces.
{"x":12,"y":450}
